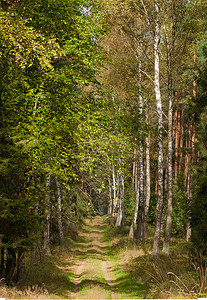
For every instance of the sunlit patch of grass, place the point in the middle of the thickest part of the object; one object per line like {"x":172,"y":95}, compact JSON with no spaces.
{"x":94,"y":290}
{"x":93,"y":283}
{"x":54,"y":274}
{"x":138,"y":276}
{"x":127,"y":286}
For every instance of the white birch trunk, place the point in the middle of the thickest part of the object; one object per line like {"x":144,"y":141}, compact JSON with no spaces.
{"x":110,"y":207}
{"x":48,"y":217}
{"x":147,"y":200}
{"x":134,"y":221}
{"x":120,"y":215}
{"x":141,"y":164}
{"x":59,"y":213}
{"x":114,"y":190}
{"x":158,"y":218}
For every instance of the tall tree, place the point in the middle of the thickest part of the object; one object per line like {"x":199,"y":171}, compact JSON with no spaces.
{"x":157,"y":235}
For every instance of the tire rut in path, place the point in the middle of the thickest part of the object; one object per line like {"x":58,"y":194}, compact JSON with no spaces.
{"x":93,"y":233}
{"x":104,"y":267}
{"x":77,"y":278}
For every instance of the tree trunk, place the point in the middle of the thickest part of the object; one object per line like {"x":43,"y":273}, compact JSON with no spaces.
{"x":176,"y":138}
{"x":134,"y":170}
{"x":141,"y":168}
{"x":59,"y":213}
{"x":3,"y":256}
{"x":191,"y":157}
{"x":158,"y":217}
{"x":122,"y":199}
{"x":10,"y":265}
{"x":110,"y":207}
{"x":189,"y":182}
{"x":48,"y":217}
{"x":187,"y":145}
{"x":114,"y":190}
{"x":166,"y":246}
{"x":181,"y":138}
{"x":134,"y":221}
{"x":147,"y":198}
{"x":166,"y":175}
{"x":120,"y":215}
{"x":20,"y":267}
{"x":33,"y":256}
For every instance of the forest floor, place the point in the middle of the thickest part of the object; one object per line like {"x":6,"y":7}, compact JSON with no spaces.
{"x":101,"y":262}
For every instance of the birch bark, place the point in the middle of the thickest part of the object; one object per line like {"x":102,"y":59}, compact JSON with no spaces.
{"x":110,"y":207}
{"x":141,"y":164}
{"x":158,"y":218}
{"x":48,"y":217}
{"x":120,"y":215}
{"x":114,"y":190}
{"x":134,"y":221}
{"x":59,"y":212}
{"x":147,"y":200}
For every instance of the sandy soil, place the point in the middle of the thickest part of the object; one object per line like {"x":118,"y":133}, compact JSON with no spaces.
{"x":93,"y":270}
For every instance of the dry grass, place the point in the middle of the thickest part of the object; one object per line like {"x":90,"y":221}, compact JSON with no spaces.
{"x":33,"y":292}
{"x":172,"y":276}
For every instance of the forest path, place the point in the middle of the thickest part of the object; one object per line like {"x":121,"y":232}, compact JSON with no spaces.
{"x":94,"y":278}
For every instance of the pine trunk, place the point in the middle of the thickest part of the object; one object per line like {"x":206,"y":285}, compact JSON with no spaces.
{"x":191,"y":157}
{"x":181,"y":139}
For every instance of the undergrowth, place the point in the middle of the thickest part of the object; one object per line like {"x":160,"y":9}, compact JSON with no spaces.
{"x":178,"y":275}
{"x":175,"y":276}
{"x":51,"y":278}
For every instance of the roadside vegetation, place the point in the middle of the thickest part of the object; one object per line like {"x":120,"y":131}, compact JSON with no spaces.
{"x":135,"y":274}
{"x":179,"y":275}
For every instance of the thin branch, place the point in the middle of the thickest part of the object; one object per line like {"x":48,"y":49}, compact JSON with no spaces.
{"x":147,"y":75}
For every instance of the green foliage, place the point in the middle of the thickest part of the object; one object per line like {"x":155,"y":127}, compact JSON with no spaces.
{"x":199,"y":203}
{"x":180,"y":206}
{"x":48,"y":57}
{"x":129,"y":206}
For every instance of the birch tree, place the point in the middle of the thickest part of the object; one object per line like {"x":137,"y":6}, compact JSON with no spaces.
{"x":47,"y":216}
{"x":170,"y":53}
{"x":59,"y":212}
{"x":158,"y":218}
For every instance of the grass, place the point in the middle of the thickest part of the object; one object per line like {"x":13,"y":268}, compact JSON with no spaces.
{"x":138,"y":276}
{"x":93,"y":283}
{"x":121,"y":251}
{"x":130,"y":267}
{"x":54,"y":274}
{"x":51,"y":279}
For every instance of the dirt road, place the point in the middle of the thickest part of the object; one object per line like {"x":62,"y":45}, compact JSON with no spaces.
{"x":93,"y":269}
